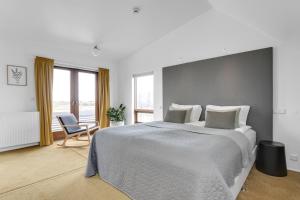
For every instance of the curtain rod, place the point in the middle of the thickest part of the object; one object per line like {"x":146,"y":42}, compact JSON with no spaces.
{"x":68,"y":65}
{"x":143,"y":74}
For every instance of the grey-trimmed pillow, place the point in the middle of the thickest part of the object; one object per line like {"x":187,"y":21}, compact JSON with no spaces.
{"x":176,"y":116}
{"x":188,"y":115}
{"x":222,"y":119}
{"x":237,"y":117}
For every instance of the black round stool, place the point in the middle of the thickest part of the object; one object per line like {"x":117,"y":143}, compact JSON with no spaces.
{"x":271,"y":158}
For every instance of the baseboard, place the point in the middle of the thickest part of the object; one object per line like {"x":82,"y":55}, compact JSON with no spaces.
{"x":18,"y":146}
{"x":294,"y":170}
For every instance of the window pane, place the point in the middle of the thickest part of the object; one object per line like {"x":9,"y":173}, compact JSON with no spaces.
{"x":144,"y":92}
{"x":61,"y":95}
{"x":87,"y":96}
{"x":145,"y":117}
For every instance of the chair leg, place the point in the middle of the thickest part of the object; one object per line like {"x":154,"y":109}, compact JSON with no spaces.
{"x":77,"y":137}
{"x":64,"y":142}
{"x":89,"y":136}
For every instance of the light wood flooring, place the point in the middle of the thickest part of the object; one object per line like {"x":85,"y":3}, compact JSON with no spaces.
{"x":55,"y":173}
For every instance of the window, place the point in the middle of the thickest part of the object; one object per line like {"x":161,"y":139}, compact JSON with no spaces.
{"x":61,"y":95}
{"x":143,"y":98}
{"x":87,"y":96}
{"x":74,"y":91}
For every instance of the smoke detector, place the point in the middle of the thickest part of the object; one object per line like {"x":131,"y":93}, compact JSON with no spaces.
{"x":96,"y":51}
{"x":136,"y":10}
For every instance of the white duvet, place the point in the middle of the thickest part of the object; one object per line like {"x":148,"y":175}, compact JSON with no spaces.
{"x":245,"y":130}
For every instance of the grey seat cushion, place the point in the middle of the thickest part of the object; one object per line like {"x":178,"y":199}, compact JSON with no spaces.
{"x":70,"y":120}
{"x":222,"y":120}
{"x":176,"y":116}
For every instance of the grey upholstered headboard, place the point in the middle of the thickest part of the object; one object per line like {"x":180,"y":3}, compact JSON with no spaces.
{"x":239,"y":79}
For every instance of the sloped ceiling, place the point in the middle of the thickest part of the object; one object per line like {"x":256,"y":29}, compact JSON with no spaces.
{"x":280,"y":19}
{"x":80,"y":24}
{"x":77,"y":25}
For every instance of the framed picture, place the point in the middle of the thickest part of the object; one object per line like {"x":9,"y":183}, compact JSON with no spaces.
{"x":16,"y":75}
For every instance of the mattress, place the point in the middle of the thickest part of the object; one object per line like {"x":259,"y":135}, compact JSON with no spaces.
{"x":162,"y":157}
{"x":241,"y":178}
{"x":251,"y":135}
{"x":246,"y":130}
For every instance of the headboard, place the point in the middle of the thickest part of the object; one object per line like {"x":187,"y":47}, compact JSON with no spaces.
{"x":240,"y":79}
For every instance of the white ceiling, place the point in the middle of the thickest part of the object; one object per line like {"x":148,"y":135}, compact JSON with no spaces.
{"x":277,"y":18}
{"x":79,"y":24}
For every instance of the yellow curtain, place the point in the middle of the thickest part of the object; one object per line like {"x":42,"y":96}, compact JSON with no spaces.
{"x":103,"y":97}
{"x":43,"y":70}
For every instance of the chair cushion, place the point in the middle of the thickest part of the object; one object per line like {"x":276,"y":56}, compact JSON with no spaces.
{"x":70,"y":120}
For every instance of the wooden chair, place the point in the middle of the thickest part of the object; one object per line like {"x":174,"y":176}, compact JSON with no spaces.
{"x":72,"y":128}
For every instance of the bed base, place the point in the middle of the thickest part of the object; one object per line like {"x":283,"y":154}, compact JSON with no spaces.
{"x":241,"y":178}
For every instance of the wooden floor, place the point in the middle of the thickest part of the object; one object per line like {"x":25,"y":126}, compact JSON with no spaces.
{"x":55,"y":173}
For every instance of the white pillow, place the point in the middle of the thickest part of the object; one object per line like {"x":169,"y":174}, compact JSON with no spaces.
{"x":242,"y":129}
{"x":196,"y":110}
{"x":243,"y":113}
{"x":197,"y":123}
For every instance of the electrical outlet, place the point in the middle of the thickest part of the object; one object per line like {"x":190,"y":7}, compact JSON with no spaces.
{"x":294,"y":157}
{"x":280,"y":111}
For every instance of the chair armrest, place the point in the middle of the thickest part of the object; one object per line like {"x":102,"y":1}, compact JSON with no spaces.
{"x":66,"y":126}
{"x":90,"y":122}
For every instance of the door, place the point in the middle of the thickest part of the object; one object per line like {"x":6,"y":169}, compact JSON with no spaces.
{"x":61,"y":103}
{"x":74,"y":91}
{"x":87,"y":96}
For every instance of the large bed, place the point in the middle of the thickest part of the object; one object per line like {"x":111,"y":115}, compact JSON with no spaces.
{"x":161,"y":160}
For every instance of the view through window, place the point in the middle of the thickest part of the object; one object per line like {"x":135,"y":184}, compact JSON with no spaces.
{"x":87,"y":96}
{"x":61,"y":95}
{"x":74,"y":91}
{"x":143,"y":98}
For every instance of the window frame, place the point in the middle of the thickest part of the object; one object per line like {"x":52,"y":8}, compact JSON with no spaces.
{"x":136,"y":110}
{"x":74,"y":93}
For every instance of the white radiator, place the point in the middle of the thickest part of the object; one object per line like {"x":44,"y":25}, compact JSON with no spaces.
{"x":18,"y":130}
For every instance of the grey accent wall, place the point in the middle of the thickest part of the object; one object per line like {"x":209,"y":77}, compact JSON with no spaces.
{"x":240,"y":79}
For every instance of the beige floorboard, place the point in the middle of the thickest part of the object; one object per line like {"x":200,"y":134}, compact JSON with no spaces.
{"x":83,"y":151}
{"x":79,"y":147}
{"x":55,"y":173}
{"x":69,"y":186}
{"x":260,"y":186}
{"x":22,"y":167}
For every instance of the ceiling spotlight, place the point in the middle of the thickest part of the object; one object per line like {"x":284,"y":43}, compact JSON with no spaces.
{"x":96,"y":51}
{"x":136,"y":10}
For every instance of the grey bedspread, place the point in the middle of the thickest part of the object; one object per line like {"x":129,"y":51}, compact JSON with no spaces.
{"x":161,"y":161}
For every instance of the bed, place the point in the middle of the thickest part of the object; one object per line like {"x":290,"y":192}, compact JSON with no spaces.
{"x":161,"y":160}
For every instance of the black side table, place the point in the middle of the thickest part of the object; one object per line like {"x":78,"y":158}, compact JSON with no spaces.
{"x":271,"y":158}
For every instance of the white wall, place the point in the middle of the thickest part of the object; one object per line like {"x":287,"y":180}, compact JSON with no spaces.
{"x":211,"y":35}
{"x":286,"y":127}
{"x":22,"y":53}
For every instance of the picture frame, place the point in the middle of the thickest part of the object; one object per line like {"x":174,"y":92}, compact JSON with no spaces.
{"x":16,"y":75}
